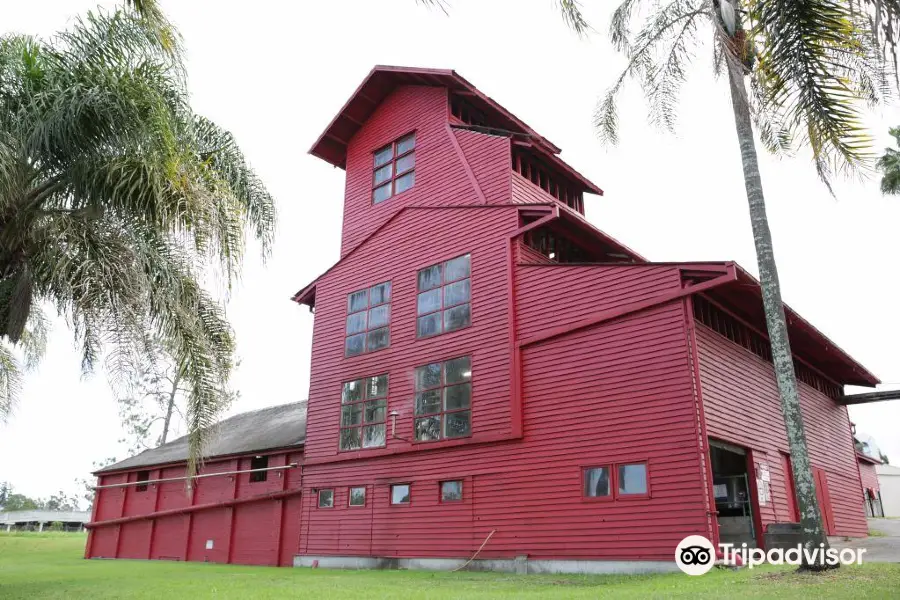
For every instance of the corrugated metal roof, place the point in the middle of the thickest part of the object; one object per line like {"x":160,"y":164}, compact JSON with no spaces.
{"x":274,"y":427}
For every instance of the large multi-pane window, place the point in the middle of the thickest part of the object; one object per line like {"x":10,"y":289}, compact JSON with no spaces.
{"x":444,"y":300}
{"x":368,"y":320}
{"x":394,"y":167}
{"x":363,"y":410}
{"x":443,"y":400}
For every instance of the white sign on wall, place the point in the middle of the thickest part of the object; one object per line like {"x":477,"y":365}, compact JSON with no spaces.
{"x":209,"y":544}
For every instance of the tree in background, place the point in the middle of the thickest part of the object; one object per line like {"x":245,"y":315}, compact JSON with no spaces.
{"x":116,"y":202}
{"x":889,"y":165}
{"x":811,"y":67}
{"x":151,"y":405}
{"x":10,"y":501}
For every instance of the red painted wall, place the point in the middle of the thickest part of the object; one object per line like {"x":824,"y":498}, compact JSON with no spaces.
{"x":742,"y":406}
{"x":441,"y":172}
{"x":621,"y":391}
{"x":867,"y":475}
{"x":260,"y":532}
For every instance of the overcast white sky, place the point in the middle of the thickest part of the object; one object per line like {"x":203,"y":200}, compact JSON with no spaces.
{"x":276,"y":72}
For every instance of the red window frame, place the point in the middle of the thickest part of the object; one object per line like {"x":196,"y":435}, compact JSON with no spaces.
{"x":319,"y":498}
{"x":391,"y":494}
{"x":367,"y":310}
{"x":614,"y":493}
{"x":443,"y":412}
{"x":395,"y":175}
{"x":444,"y":307}
{"x":462,"y":491}
{"x":350,"y":496}
{"x":363,"y":400}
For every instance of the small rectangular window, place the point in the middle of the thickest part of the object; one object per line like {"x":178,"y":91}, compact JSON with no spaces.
{"x":368,"y":320}
{"x":357,"y":496}
{"x":363,"y":413}
{"x":142,"y":476}
{"x":259,"y":462}
{"x":443,"y":400}
{"x":596,"y":482}
{"x":451,"y":491}
{"x":326,"y":498}
{"x":444,"y":300}
{"x":400,"y":493}
{"x":632,"y":479}
{"x":394,"y":167}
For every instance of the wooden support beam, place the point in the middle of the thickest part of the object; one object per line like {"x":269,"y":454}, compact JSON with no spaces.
{"x":869,"y":397}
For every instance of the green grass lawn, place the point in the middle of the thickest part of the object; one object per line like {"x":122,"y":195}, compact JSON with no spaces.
{"x":49,"y":565}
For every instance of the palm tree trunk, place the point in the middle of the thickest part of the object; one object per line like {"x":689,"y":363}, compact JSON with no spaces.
{"x":804,"y":485}
{"x":171,"y":405}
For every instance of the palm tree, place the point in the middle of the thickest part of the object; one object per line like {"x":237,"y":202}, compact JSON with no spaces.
{"x":889,"y":165}
{"x":117,"y":202}
{"x":810,"y":66}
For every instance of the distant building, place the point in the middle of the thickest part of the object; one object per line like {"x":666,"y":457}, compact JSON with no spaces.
{"x":42,"y":520}
{"x":492,"y":375}
{"x":889,"y":487}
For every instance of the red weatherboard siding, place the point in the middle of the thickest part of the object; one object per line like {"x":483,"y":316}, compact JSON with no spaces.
{"x":395,"y":254}
{"x":441,"y":175}
{"x":868,"y":477}
{"x":588,"y":289}
{"x":742,"y":406}
{"x":261,"y":532}
{"x":530,"y":490}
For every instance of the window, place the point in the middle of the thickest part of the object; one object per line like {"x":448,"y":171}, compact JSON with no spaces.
{"x":400,"y":494}
{"x":443,"y":303}
{"x":632,"y":480}
{"x":259,"y":462}
{"x":326,"y":498}
{"x":596,"y":483}
{"x":625,"y":480}
{"x":443,"y":400}
{"x":394,"y":168}
{"x":451,"y":491}
{"x":363,"y":409}
{"x":142,"y":476}
{"x":368,"y":320}
{"x":358,"y":496}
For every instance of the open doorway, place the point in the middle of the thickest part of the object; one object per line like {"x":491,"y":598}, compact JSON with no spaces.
{"x":731,"y":488}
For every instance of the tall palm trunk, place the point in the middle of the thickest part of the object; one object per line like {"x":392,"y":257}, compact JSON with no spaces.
{"x":804,"y":485}
{"x":169,"y":407}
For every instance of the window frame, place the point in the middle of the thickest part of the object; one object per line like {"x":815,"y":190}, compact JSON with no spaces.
{"x":443,"y":308}
{"x":350,"y":496}
{"x":362,"y":403}
{"x":143,"y":481}
{"x":612,"y":489}
{"x":395,"y":158}
{"x":319,"y":498}
{"x":462,"y":491}
{"x":408,"y":493}
{"x":614,"y":481}
{"x":646,"y":493}
{"x":443,"y":412}
{"x":259,"y":476}
{"x":369,"y":307}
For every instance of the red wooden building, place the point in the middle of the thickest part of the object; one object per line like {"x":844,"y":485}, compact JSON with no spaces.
{"x":492,"y":374}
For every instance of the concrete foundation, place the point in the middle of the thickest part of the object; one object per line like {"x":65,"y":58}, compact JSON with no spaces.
{"x":520,"y":565}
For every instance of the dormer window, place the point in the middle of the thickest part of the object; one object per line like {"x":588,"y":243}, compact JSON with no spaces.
{"x":394,"y":168}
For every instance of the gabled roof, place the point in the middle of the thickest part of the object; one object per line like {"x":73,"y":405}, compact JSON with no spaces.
{"x":254,"y":431}
{"x":380,"y":82}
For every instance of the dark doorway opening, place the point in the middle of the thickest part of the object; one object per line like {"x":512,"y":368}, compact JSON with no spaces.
{"x":732,"y":492}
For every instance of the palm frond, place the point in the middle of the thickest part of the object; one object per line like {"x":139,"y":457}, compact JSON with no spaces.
{"x":573,"y":17}
{"x":658,"y":56}
{"x":10,"y":380}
